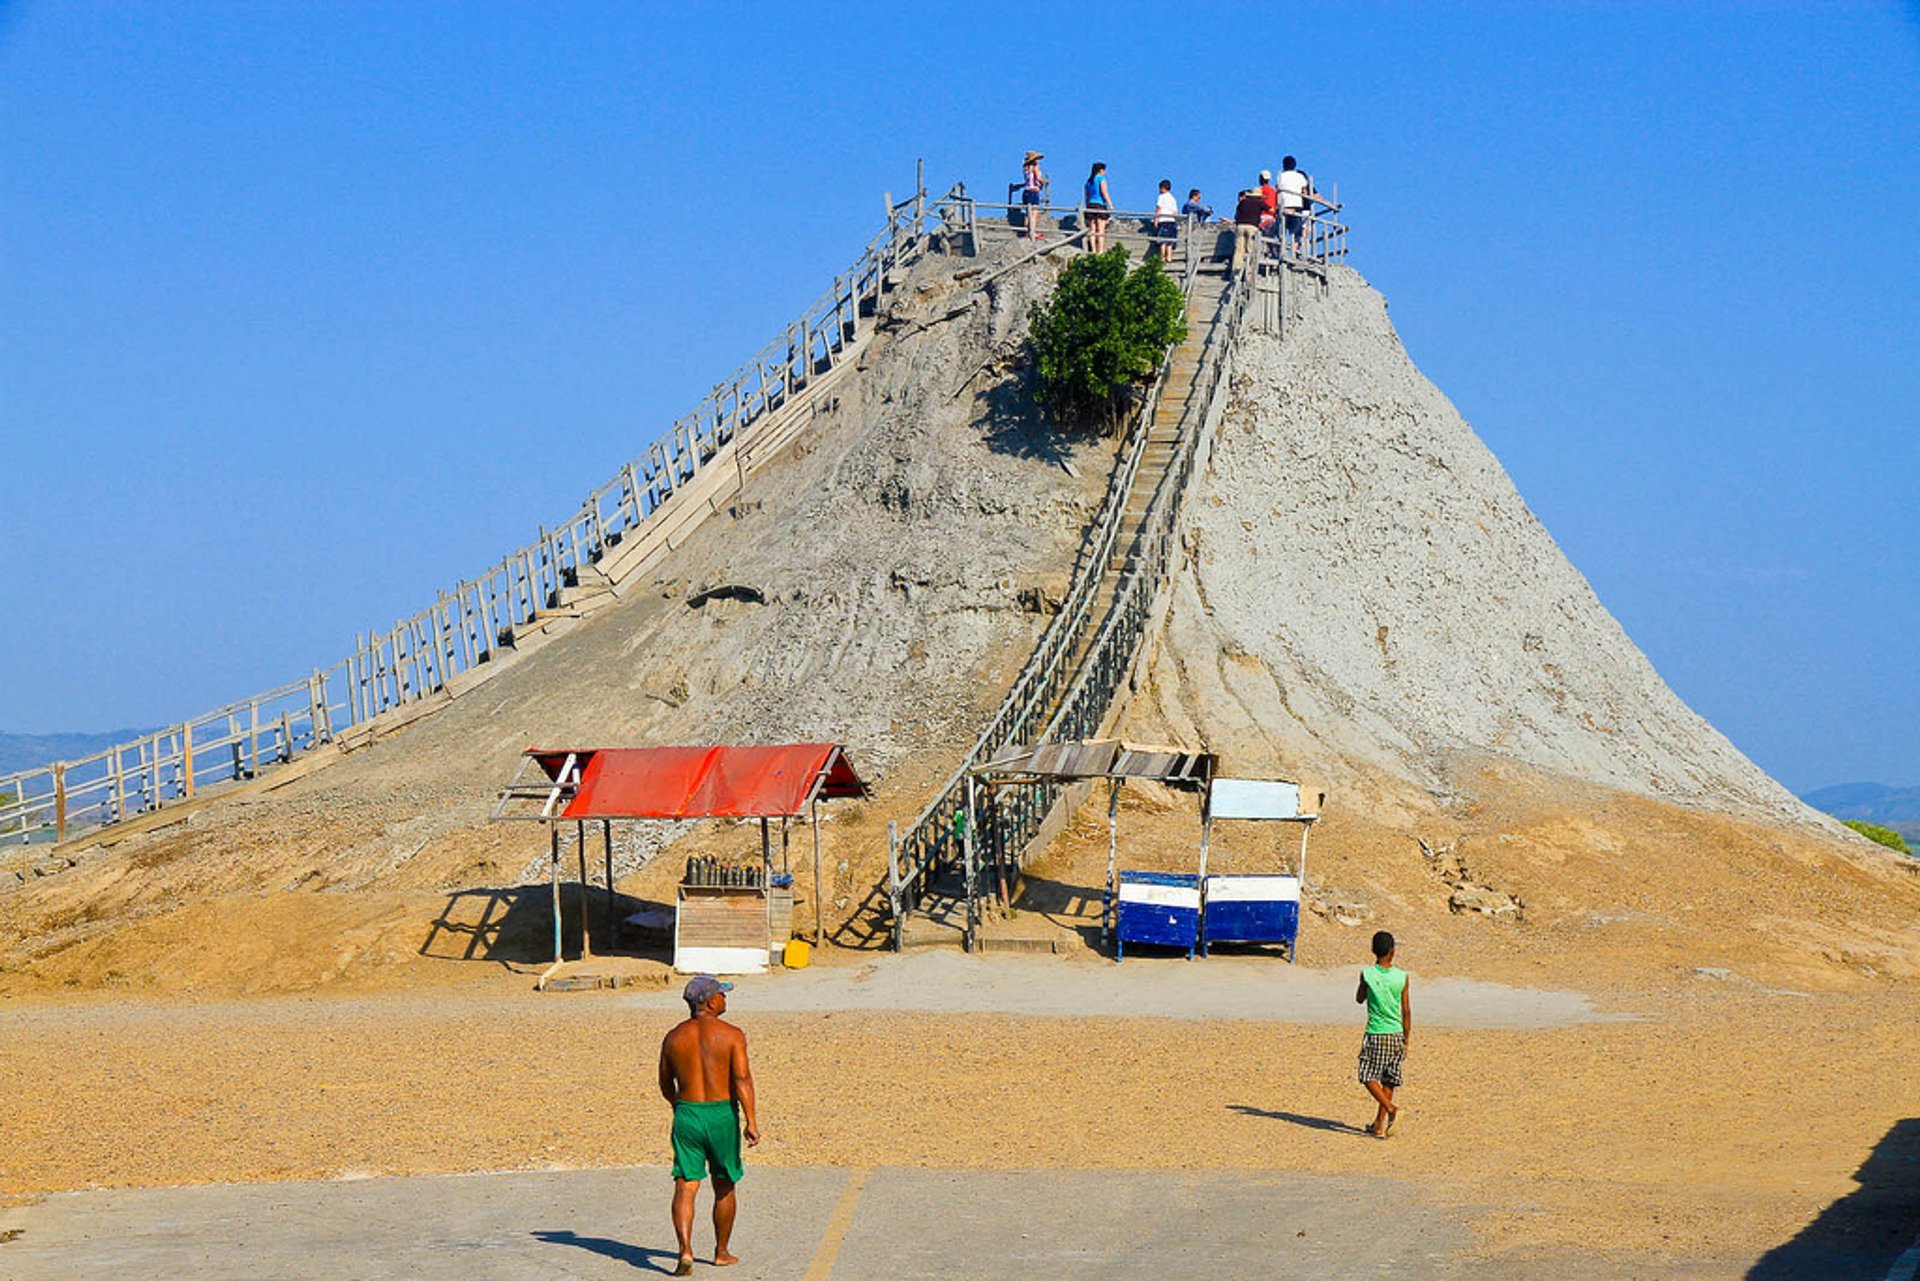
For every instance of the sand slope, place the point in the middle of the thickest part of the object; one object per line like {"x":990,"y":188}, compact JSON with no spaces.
{"x":1368,"y":605}
{"x":1365,"y":582}
{"x":883,"y":581}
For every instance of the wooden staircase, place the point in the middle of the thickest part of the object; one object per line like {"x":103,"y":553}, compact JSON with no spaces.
{"x":1163,"y":438}
{"x":941,"y":915}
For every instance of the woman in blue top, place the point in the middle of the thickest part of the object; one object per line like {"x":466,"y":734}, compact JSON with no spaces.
{"x":1099,"y":208}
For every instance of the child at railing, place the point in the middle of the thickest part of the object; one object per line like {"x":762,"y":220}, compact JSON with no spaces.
{"x":1166,"y":221}
{"x":1033,"y":183}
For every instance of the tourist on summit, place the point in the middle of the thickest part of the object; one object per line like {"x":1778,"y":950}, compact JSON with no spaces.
{"x":1297,"y":199}
{"x":1246,"y":227}
{"x":1383,"y":1048}
{"x":1269,"y":202}
{"x":1166,"y":220}
{"x":704,"y":1075}
{"x":1033,"y":185}
{"x":1099,"y":203}
{"x":1196,"y":208}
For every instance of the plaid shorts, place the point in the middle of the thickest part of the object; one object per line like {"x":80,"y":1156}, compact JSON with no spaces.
{"x":1382,"y":1054}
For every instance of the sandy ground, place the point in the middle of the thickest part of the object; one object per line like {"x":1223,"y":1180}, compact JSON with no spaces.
{"x":1682,"y":1125}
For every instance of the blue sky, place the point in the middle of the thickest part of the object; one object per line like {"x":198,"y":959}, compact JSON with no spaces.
{"x":308,"y":311}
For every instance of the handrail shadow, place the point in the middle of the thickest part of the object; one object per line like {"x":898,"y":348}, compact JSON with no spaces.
{"x":1866,"y":1232}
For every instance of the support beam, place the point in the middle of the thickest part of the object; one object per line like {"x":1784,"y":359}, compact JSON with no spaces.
{"x":1113,"y":848}
{"x":553,"y":835}
{"x":967,"y":861}
{"x":819,"y":888}
{"x":893,"y":882}
{"x":580,"y":848}
{"x":613,"y":906}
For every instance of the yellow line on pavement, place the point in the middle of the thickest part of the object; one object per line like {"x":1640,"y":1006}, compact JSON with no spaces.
{"x":837,"y":1226}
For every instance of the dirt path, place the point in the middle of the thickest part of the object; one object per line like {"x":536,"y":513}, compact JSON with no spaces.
{"x":1256,"y":988}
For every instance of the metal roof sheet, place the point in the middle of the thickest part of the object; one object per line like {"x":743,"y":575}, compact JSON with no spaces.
{"x":700,"y":782}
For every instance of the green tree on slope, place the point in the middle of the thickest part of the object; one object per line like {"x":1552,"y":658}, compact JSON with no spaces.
{"x":1879,"y":835}
{"x":1104,"y":329}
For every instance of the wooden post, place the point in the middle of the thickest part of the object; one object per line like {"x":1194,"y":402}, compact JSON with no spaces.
{"x":468,"y":648}
{"x":317,"y":716}
{"x":553,"y":833}
{"x":1113,"y":847}
{"x":966,"y":859}
{"x":893,"y":883}
{"x":613,"y":907}
{"x":186,"y":760}
{"x":580,"y":848}
{"x":1000,"y":856}
{"x":60,"y":802}
{"x":786,"y":862}
{"x":1293,"y":948}
{"x":253,"y":737}
{"x":819,"y":890}
{"x":442,"y":642}
{"x":488,"y":629}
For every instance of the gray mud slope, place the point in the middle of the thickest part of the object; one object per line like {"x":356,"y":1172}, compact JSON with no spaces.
{"x":1366,"y":590}
{"x":883,"y":580}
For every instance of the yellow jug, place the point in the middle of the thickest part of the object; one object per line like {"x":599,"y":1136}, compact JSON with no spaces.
{"x":798,"y":954}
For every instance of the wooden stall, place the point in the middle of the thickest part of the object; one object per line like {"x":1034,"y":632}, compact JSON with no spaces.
{"x":1253,"y":907}
{"x":728,"y":919}
{"x":1159,"y":908}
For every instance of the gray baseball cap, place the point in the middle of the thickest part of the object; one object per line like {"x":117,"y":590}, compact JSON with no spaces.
{"x":701,"y":989}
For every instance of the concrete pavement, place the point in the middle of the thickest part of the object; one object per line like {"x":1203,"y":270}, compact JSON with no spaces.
{"x":812,"y":1223}
{"x":806,"y":1223}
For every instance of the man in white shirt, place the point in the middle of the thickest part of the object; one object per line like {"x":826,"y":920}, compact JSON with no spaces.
{"x":1166,"y":220}
{"x":1297,"y":199}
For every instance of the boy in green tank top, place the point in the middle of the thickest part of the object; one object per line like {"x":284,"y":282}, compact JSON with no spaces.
{"x":1383,"y":1049}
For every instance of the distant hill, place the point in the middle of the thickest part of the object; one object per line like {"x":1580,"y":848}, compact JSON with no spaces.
{"x":30,"y":751}
{"x":1895,"y":807}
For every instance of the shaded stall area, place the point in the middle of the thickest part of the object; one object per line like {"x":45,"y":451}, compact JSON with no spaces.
{"x":730,"y":917}
{"x":1140,"y":906}
{"x":1184,"y":909}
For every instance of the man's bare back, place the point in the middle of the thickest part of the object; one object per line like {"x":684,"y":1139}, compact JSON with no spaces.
{"x":701,"y":1060}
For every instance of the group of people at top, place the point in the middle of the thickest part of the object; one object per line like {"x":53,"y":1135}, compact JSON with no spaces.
{"x":1278,"y":206}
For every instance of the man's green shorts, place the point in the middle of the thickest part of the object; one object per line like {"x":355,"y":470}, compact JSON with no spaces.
{"x":703,"y":1134}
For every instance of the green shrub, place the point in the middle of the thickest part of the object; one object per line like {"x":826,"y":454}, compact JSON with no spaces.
{"x":1877,"y":834}
{"x":1104,"y":329}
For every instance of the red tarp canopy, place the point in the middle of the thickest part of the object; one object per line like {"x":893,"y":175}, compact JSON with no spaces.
{"x":703,"y":782}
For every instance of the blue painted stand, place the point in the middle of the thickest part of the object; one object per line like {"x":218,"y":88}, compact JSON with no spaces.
{"x":1252,"y":909}
{"x":1162,"y":908}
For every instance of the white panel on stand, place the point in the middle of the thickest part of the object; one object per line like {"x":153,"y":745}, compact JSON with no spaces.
{"x":1253,"y":798}
{"x":1187,"y":896}
{"x":1253,"y":889}
{"x":720,"y":960}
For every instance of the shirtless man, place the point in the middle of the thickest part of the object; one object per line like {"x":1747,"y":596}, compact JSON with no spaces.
{"x":704,"y":1074}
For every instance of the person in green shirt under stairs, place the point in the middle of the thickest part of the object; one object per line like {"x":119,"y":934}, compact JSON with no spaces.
{"x":1383,"y":1049}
